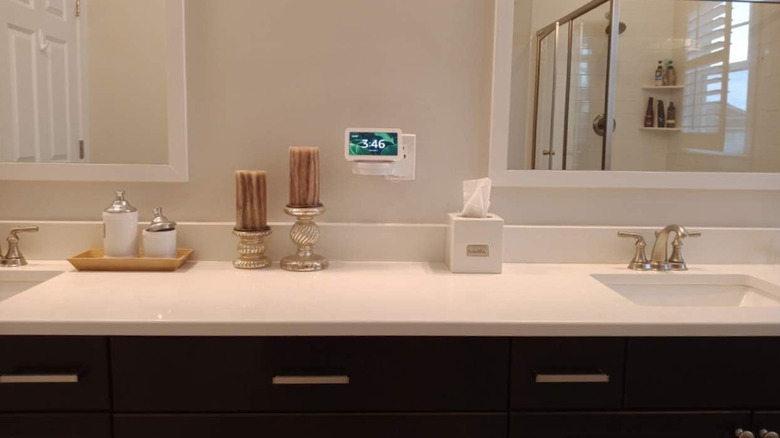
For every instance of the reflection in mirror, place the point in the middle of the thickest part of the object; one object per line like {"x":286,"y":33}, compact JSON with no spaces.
{"x":726,"y":94}
{"x":583,"y":148}
{"x":83,"y":82}
{"x":545,"y":109}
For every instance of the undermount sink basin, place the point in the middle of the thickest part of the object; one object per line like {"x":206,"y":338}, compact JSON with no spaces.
{"x":693,"y":290}
{"x":15,"y":282}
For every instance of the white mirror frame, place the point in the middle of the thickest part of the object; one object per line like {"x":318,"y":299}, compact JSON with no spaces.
{"x":502,"y":176}
{"x":176,"y":170}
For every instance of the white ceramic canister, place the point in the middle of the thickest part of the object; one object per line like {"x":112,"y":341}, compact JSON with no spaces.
{"x":120,"y":228}
{"x":160,"y":237}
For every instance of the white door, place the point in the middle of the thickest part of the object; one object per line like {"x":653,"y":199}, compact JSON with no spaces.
{"x":40,"y":93}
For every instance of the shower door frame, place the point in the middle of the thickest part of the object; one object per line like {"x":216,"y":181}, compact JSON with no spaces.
{"x":609,"y":105}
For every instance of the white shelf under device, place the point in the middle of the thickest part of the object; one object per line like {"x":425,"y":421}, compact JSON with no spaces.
{"x":381,"y":152}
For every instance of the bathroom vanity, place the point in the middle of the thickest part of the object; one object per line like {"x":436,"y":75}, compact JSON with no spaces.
{"x":390,"y":386}
{"x":384,"y":350}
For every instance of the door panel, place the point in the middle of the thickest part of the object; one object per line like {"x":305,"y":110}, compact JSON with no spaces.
{"x":311,"y":425}
{"x":248,"y":374}
{"x":56,"y":143}
{"x":766,"y":421}
{"x":55,"y":426}
{"x":52,"y":356}
{"x":57,"y":9}
{"x":40,"y":94}
{"x":24,"y":105}
{"x":573,"y":357}
{"x":703,"y":373}
{"x":628,"y":425}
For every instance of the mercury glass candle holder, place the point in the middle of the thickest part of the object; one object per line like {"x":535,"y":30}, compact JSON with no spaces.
{"x":251,"y":249}
{"x":304,"y":234}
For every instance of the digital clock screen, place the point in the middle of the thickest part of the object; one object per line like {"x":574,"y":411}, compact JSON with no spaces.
{"x":373,"y":143}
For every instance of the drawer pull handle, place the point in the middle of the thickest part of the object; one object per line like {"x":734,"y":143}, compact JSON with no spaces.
{"x":39,"y":378}
{"x":310,"y":380}
{"x":572,"y":378}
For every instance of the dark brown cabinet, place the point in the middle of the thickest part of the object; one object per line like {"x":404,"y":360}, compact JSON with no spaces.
{"x":311,"y":425}
{"x":55,"y":425}
{"x":327,"y":374}
{"x":383,"y":387}
{"x":629,"y":424}
{"x":51,"y":373}
{"x":766,"y":422}
{"x":567,"y":373}
{"x":703,"y":373}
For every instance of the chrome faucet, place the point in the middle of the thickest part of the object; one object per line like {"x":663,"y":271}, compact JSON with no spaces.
{"x":14,"y":258}
{"x":659,"y":258}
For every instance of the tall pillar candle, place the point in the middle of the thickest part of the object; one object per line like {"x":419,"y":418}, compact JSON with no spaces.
{"x":250,"y":200}
{"x":304,"y":177}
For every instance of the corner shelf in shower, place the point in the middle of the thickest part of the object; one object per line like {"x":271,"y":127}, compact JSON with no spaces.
{"x":661,"y":129}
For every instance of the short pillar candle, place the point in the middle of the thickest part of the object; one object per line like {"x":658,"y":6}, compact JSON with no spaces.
{"x":251,"y":200}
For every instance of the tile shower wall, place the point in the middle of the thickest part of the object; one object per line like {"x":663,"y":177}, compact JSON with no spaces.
{"x":648,"y":38}
{"x":265,"y":75}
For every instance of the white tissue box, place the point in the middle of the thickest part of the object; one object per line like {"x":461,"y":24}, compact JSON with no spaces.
{"x":475,"y":245}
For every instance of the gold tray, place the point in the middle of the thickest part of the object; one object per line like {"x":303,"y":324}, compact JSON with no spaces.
{"x":94,"y":260}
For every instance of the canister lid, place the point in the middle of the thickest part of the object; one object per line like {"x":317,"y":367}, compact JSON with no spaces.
{"x":160,"y":222}
{"x":120,"y":204}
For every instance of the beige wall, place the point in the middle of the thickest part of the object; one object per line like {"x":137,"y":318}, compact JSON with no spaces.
{"x":126,"y":58}
{"x":265,"y":75}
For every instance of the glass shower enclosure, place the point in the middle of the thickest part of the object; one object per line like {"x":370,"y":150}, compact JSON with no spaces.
{"x":575,"y":61}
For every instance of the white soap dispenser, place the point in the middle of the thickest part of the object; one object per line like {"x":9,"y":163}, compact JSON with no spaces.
{"x":120,"y":228}
{"x":160,"y":237}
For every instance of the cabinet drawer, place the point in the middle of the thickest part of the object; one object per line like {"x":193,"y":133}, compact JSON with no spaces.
{"x":309,"y":374}
{"x":628,"y":424}
{"x":311,"y":425}
{"x":769,"y":421}
{"x":703,"y":373}
{"x":567,"y":373}
{"x":55,"y":426}
{"x":53,"y":374}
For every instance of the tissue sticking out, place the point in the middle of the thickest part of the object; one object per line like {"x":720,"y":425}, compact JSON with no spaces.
{"x":476,"y":198}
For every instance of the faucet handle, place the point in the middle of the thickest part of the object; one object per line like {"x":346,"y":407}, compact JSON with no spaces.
{"x":14,"y":258}
{"x":676,"y":261}
{"x":639,"y":262}
{"x":16,"y":230}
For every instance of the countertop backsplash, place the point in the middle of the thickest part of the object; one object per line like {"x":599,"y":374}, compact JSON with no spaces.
{"x":58,"y":240}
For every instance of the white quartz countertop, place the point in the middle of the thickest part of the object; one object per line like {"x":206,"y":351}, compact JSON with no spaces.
{"x":366,"y":299}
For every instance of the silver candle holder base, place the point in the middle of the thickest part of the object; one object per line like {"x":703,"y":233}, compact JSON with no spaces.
{"x":304,"y":234}
{"x":251,"y":248}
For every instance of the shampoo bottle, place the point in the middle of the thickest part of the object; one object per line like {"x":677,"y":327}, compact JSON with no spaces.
{"x":670,"y":75}
{"x":649,"y":114}
{"x":661,"y":115}
{"x":671,"y":116}
{"x":120,"y":228}
{"x":659,"y":74}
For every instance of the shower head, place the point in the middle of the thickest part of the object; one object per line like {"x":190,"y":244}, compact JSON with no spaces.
{"x":622,"y":27}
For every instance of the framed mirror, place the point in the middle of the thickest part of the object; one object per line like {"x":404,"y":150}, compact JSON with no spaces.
{"x":564,"y":71}
{"x":93,"y":90}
